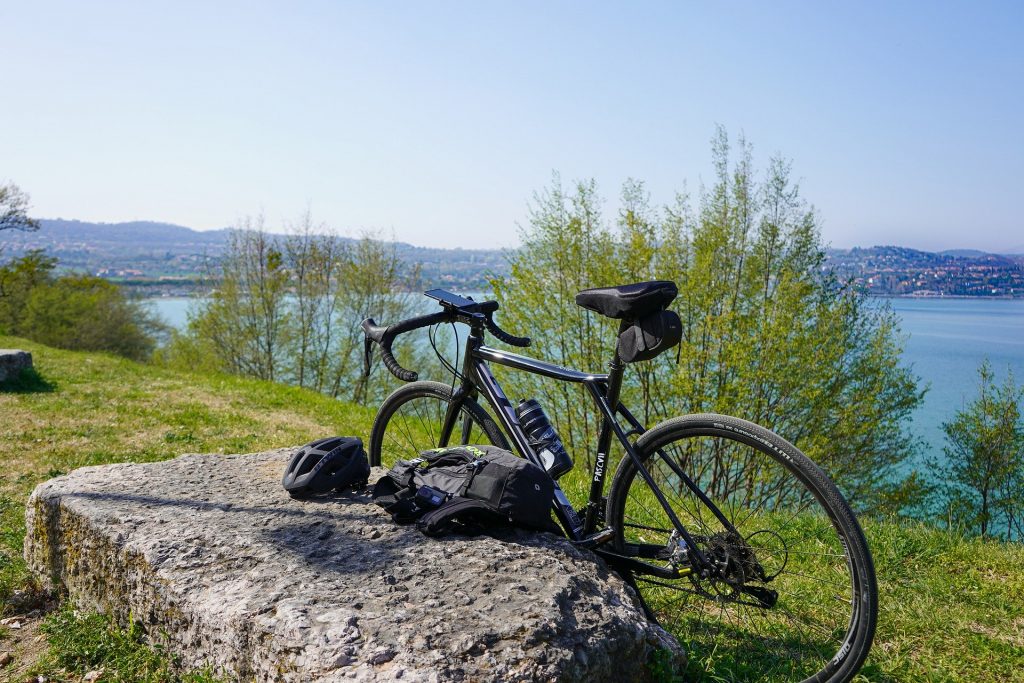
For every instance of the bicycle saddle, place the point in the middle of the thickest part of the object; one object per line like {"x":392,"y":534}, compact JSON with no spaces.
{"x":629,"y":302}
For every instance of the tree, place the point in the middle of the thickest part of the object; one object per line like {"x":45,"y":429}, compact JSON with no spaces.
{"x":245,"y":319}
{"x":87,"y":313}
{"x":14,"y":206}
{"x":18,"y":278}
{"x":984,"y":467}
{"x":567,"y":247}
{"x":315,"y":261}
{"x":768,"y":334}
{"x":288,"y":309}
{"x":376,"y":284}
{"x":77,"y":312}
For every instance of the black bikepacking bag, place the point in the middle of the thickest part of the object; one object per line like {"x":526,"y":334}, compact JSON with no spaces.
{"x":467,"y":489}
{"x":650,"y":336}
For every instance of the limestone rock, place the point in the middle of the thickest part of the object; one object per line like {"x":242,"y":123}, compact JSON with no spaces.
{"x":220,"y":565}
{"x":12,"y":362}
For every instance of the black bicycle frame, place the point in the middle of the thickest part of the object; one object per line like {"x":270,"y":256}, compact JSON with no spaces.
{"x":604,"y":390}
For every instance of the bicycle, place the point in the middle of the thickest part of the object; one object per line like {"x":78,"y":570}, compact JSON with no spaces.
{"x":769,"y":579}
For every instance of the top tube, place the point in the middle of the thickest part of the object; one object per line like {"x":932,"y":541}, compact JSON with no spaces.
{"x":539,"y":367}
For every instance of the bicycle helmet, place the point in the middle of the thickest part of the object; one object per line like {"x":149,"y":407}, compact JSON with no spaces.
{"x":336,"y":462}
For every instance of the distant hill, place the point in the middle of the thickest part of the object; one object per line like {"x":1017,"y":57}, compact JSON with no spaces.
{"x":142,"y":234}
{"x":891,"y":270}
{"x":144,"y":252}
{"x":963,"y":253}
{"x":152,"y":250}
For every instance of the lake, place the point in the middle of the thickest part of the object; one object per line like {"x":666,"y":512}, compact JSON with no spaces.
{"x":946,"y":341}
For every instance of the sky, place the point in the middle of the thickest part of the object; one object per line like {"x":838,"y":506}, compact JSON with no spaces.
{"x":436,"y":122}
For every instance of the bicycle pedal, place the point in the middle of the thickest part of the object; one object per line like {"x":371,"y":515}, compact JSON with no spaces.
{"x":595,"y":539}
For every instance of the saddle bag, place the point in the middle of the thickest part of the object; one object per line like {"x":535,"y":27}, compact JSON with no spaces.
{"x":467,"y":489}
{"x":650,"y":336}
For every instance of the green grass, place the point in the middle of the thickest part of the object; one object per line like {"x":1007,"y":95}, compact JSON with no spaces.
{"x":81,"y":409}
{"x":80,"y":643}
{"x":952,"y":608}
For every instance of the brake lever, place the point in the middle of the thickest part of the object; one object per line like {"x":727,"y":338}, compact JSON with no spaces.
{"x":367,"y":355}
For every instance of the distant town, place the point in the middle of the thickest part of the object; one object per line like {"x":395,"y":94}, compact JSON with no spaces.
{"x":159,"y":259}
{"x":899,"y":271}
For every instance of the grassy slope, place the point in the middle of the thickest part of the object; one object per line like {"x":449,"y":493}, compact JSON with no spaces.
{"x":102,"y":409}
{"x":952,"y":608}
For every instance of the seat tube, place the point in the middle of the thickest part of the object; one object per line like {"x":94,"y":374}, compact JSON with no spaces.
{"x":616,"y":370}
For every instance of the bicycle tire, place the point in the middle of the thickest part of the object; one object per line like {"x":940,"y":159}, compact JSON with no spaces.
{"x":719,"y":616}
{"x":390,"y":441}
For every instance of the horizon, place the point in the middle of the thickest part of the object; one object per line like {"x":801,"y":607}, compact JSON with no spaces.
{"x":437,"y":123}
{"x":283,"y":230}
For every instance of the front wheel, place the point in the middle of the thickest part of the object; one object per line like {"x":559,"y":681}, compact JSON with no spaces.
{"x":411,"y":420}
{"x":792,"y":596}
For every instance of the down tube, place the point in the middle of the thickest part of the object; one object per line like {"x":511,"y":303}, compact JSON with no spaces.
{"x":564,"y":510}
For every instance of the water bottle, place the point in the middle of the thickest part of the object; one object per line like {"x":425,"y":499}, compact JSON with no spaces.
{"x":544,"y":438}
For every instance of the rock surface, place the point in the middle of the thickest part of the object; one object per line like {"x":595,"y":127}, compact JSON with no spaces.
{"x":217,"y":563}
{"x":12,"y":362}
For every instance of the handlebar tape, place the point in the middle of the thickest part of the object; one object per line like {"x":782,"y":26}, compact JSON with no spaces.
{"x":385,"y":335}
{"x":504,"y":336}
{"x":397,"y":370}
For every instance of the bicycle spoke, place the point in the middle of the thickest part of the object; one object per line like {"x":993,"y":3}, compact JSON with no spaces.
{"x":792,"y":632}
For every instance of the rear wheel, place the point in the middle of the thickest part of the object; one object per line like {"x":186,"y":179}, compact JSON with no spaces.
{"x":411,"y":419}
{"x":793,"y":594}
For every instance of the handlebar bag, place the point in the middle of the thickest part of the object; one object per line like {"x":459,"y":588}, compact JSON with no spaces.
{"x":481,"y":486}
{"x":650,"y":336}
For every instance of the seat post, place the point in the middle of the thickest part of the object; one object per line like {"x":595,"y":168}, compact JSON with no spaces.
{"x":616,"y":368}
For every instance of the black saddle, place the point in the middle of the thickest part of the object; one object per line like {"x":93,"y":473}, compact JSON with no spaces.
{"x":629,"y":302}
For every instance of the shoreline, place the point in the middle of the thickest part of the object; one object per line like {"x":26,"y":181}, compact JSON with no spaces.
{"x":932,"y":297}
{"x":928,"y":297}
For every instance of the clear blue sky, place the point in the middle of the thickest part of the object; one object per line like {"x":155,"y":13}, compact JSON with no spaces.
{"x":437,"y":121}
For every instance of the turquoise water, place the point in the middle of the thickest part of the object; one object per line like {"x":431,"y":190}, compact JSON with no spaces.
{"x":173,"y":310}
{"x":947,"y":340}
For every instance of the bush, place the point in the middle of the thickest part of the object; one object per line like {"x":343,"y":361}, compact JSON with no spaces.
{"x":18,"y":278}
{"x":78,"y":312}
{"x":89,"y":314}
{"x":769,"y":334}
{"x":984,"y":465}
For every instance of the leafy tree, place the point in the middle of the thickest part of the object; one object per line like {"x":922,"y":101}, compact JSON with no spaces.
{"x":73,"y":311}
{"x":88,"y":313}
{"x":18,"y":278}
{"x":768,"y":334}
{"x":984,"y":466}
{"x":315,"y":262}
{"x":14,"y":204}
{"x":245,"y":320}
{"x":567,"y":247}
{"x":288,"y":309}
{"x":375,"y":283}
